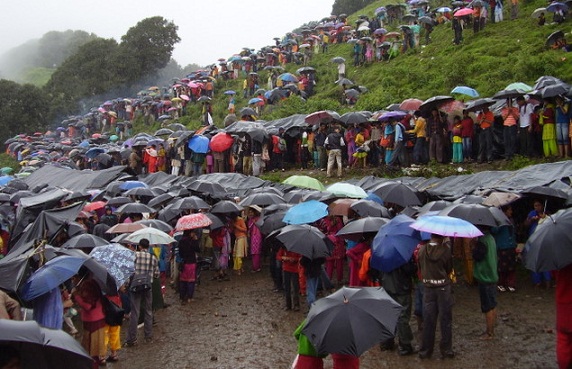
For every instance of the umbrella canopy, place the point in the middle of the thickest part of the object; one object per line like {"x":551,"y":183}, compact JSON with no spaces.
{"x":159,"y":201}
{"x":352,"y":118}
{"x":519,"y":86}
{"x":555,"y":6}
{"x":190,"y":203}
{"x":546,"y":193}
{"x":433,"y":206}
{"x":193,"y":221}
{"x":322,"y":116}
{"x":128,"y":185}
{"x":93,"y":206}
{"x":465,"y":90}
{"x":50,"y":276}
{"x":508,"y":94}
{"x":352,"y":320}
{"x":220,"y":142}
{"x":157,"y":224}
{"x":43,"y":348}
{"x":341,"y":207}
{"x":410,"y":104}
{"x":226,"y":207}
{"x":304,"y":182}
{"x":262,"y":199}
{"x":119,"y":200}
{"x":338,"y":60}
{"x":135,"y":207}
{"x":548,"y":248}
{"x":344,"y":81}
{"x":347,"y":190}
{"x":139,"y":191}
{"x":463,"y":12}
{"x":479,"y":104}
{"x":154,"y":235}
{"x":356,"y":229}
{"x":446,"y":226}
{"x":84,"y":241}
{"x":119,"y":261}
{"x":474,"y":213}
{"x":394,"y":244}
{"x":305,"y":240}
{"x":125,"y":228}
{"x":365,"y":208}
{"x":397,"y":193}
{"x":499,"y":199}
{"x":306,"y":212}
{"x":199,"y":144}
{"x":435,"y":102}
{"x":206,"y":187}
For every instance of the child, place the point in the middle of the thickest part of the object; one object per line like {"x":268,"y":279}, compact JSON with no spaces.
{"x":457,"y":140}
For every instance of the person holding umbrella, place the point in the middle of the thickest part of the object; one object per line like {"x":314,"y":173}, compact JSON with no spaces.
{"x":308,"y":357}
{"x":188,"y":248}
{"x":486,"y":274}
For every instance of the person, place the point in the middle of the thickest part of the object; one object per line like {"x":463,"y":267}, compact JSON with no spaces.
{"x":198,"y":159}
{"x":135,"y":161}
{"x":467,"y":132}
{"x":341,"y":70}
{"x":330,"y":226}
{"x":355,"y":253}
{"x":420,"y":149}
{"x":360,"y":154}
{"x":458,"y":30}
{"x":535,"y":217}
{"x":312,"y":269}
{"x":436,"y":128}
{"x":113,"y":334}
{"x":9,"y":357}
{"x":485,"y":120}
{"x":308,"y":357}
{"x":109,"y":218}
{"x":189,"y":246}
{"x":547,"y":120}
{"x":345,"y":361}
{"x":541,"y":19}
{"x":525,"y":111}
{"x":436,"y":264}
{"x":9,"y":308}
{"x":278,"y":149}
{"x":319,"y":141}
{"x":374,"y":138}
{"x":563,"y":317}
{"x":505,"y":239}
{"x":562,"y":124}
{"x":334,"y":143}
{"x":48,"y":309}
{"x":457,"y":134}
{"x":145,"y":264}
{"x":150,"y":158}
{"x":399,"y":284}
{"x":68,"y":311}
{"x":486,"y":274}
{"x":87,"y":295}
{"x":290,"y":262}
{"x":399,"y":156}
{"x":219,"y":241}
{"x":240,"y":249}
{"x":255,"y":237}
{"x":510,"y":117}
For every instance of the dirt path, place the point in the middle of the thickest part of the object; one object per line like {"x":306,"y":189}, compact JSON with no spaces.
{"x":240,"y":324}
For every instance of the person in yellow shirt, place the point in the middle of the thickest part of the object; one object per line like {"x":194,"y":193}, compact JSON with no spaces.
{"x":420,"y":153}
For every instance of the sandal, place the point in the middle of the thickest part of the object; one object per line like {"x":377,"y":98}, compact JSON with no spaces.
{"x":486,"y":336}
{"x":113,"y":358}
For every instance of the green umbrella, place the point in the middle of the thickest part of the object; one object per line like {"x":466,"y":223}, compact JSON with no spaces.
{"x":519,"y":86}
{"x":6,"y":170}
{"x":347,"y":190}
{"x":305,"y":182}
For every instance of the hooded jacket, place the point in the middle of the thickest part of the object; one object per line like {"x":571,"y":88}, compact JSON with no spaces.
{"x":436,"y":263}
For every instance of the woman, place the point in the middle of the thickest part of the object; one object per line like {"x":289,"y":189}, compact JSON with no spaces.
{"x":151,"y":159}
{"x":255,"y":238}
{"x":87,"y":295}
{"x":240,"y":243}
{"x":188,"y":247}
{"x":350,"y":137}
{"x":161,"y":159}
{"x":505,"y":240}
{"x":547,"y":120}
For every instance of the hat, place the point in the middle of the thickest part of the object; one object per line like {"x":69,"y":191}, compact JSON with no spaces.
{"x":255,"y":207}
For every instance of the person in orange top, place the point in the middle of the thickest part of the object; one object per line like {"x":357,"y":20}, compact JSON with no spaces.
{"x":485,"y":120}
{"x":290,"y":266}
{"x":365,"y":275}
{"x":510,"y":115}
{"x":240,"y":244}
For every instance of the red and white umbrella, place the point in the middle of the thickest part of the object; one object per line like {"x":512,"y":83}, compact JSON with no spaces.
{"x":193,"y":221}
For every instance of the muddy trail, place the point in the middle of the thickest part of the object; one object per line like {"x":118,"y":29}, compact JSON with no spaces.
{"x":241,"y":323}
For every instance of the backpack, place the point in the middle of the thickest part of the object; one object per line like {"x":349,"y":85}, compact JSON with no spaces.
{"x":479,"y":251}
{"x":282,"y":144}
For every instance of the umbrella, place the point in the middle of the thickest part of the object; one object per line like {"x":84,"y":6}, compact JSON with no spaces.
{"x":394,"y":244}
{"x":465,"y":90}
{"x":193,"y":221}
{"x":352,"y":118}
{"x":548,"y":248}
{"x":157,"y":224}
{"x":226,"y":207}
{"x":347,"y":190}
{"x":42,"y":348}
{"x":163,"y":132}
{"x":356,"y":229}
{"x":84,"y":241}
{"x":306,"y":212}
{"x":254,"y":100}
{"x":397,"y":193}
{"x":479,"y":104}
{"x":288,"y":77}
{"x":344,"y":81}
{"x":262,"y":199}
{"x":139,"y":191}
{"x":463,"y":12}
{"x":392,"y":115}
{"x":469,"y":199}
{"x":93,"y":206}
{"x":305,"y":240}
{"x":304,"y":182}
{"x":322,"y":116}
{"x":519,"y":86}
{"x":128,"y":185}
{"x":205,"y":187}
{"x":125,"y":228}
{"x":135,"y":207}
{"x":341,"y":206}
{"x":352,"y":320}
{"x":365,"y":208}
{"x":433,"y":206}
{"x":443,"y":9}
{"x":446,"y":226}
{"x":380,"y":31}
{"x":499,"y":199}
{"x":546,"y":192}
{"x":427,"y":20}
{"x":160,"y":200}
{"x":247,"y":111}
{"x":119,"y":261}
{"x":119,"y":200}
{"x":473,"y":213}
{"x":154,"y":235}
{"x":50,"y":276}
{"x":199,"y":144}
{"x":410,"y":104}
{"x":338,"y":60}
{"x":220,"y":142}
{"x":555,"y":6}
{"x":351,"y":93}
{"x":537,"y":12}
{"x":508,"y":94}
{"x":268,"y":223}
{"x":435,"y":102}
{"x":190,"y":203}
{"x":554,"y":90}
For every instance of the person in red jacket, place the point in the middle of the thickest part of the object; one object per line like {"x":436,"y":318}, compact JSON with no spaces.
{"x":290,"y":265}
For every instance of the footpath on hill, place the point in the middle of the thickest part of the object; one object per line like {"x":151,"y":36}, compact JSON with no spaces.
{"x":240,"y":324}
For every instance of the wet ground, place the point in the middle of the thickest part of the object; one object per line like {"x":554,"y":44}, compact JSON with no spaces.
{"x":241,"y":324}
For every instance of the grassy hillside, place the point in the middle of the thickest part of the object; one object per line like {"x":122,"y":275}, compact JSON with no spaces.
{"x":488,"y":61}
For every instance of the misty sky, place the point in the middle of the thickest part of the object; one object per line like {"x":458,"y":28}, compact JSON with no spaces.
{"x":208,"y":29}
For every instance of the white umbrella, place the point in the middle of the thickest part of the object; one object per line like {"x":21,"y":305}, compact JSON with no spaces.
{"x":347,"y":190}
{"x":155,"y":236}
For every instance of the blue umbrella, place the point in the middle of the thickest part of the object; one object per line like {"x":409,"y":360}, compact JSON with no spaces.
{"x":464,"y":90}
{"x":555,"y":6}
{"x":51,"y":275}
{"x":93,"y":152}
{"x":394,"y":244}
{"x":5,"y":179}
{"x":199,"y":144}
{"x":127,"y":185}
{"x":306,"y":212}
{"x":254,"y":100}
{"x":230,"y":92}
{"x":119,"y":261}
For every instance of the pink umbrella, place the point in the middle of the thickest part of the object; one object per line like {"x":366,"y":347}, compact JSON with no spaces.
{"x":463,"y":12}
{"x":410,"y":104}
{"x":193,"y":221}
{"x":172,"y":109}
{"x":185,"y":97}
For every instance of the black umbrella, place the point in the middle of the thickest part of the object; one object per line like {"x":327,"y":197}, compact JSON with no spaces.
{"x":163,"y":132}
{"x":548,"y":248}
{"x":369,"y":208}
{"x":472,"y":213}
{"x":84,"y":241}
{"x":434,"y":206}
{"x":77,"y":196}
{"x":356,"y":229}
{"x":426,"y":19}
{"x":546,"y":193}
{"x":295,"y":196}
{"x":508,"y":94}
{"x":160,"y":200}
{"x":256,"y":131}
{"x":184,"y":138}
{"x":352,"y":320}
{"x":553,"y":37}
{"x":139,"y":191}
{"x":247,"y":111}
{"x":41,"y":348}
{"x":305,"y":240}
{"x":157,"y":224}
{"x":352,"y":118}
{"x":189,"y":203}
{"x":226,"y":207}
{"x":435,"y":102}
{"x":119,"y":200}
{"x":267,"y":223}
{"x":262,"y":199}
{"x":99,"y":272}
{"x":135,"y":207}
{"x":211,"y":188}
{"x":469,"y":199}
{"x":397,"y":193}
{"x":177,"y":127}
{"x":216,"y":221}
{"x":554,"y":90}
{"x":344,"y":81}
{"x":479,"y":104}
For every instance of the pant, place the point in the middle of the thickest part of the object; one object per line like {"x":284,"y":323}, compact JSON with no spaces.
{"x":322,"y":157}
{"x":311,"y":290}
{"x":539,"y":277}
{"x":399,"y":156}
{"x":291,"y":289}
{"x":334,"y":155}
{"x":146,"y":298}
{"x":437,"y":302}
{"x":420,"y":151}
{"x":256,"y":262}
{"x":247,"y":165}
{"x":525,"y":142}
{"x":256,"y":164}
{"x":457,"y":152}
{"x":197,"y":169}
{"x":403,"y":328}
{"x":467,"y":147}
{"x":486,"y":145}
{"x":509,"y":137}
{"x":188,"y":168}
{"x":337,"y":265}
{"x":237,"y":263}
{"x":112,"y":340}
{"x":436,"y":147}
{"x":277,"y":162}
{"x":564,"y":349}
{"x":186,"y":290}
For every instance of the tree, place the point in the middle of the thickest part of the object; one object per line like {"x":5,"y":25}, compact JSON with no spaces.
{"x":349,"y":6}
{"x":148,"y":46}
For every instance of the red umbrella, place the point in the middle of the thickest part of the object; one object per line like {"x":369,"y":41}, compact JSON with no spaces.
{"x":322,"y":116}
{"x":463,"y":12}
{"x":193,"y":221}
{"x":410,"y":104}
{"x":126,"y":228}
{"x":452,"y":106}
{"x":220,"y":142}
{"x":96,"y":205}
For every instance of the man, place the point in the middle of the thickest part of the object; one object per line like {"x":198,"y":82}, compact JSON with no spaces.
{"x":278,"y":147}
{"x":399,"y":156}
{"x":485,"y":272}
{"x":9,"y":308}
{"x":375,"y":137}
{"x":436,"y":264}
{"x":485,"y":120}
{"x":145,"y":264}
{"x":334,"y":143}
{"x":525,"y":111}
{"x":319,"y":140}
{"x":436,"y":129}
{"x":420,"y":148}
{"x":510,"y":116}
{"x":467,"y":132}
